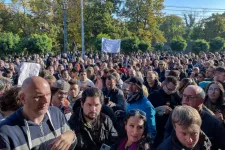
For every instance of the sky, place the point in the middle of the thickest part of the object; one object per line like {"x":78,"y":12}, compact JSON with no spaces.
{"x":212,"y":5}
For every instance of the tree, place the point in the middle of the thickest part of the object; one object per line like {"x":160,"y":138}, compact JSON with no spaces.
{"x":172,"y":27}
{"x":143,"y":18}
{"x":37,"y":44}
{"x":143,"y":46}
{"x":178,"y":45}
{"x":217,"y":44}
{"x":190,"y":22}
{"x":129,"y":45}
{"x":200,"y":45}
{"x":159,"y":46}
{"x":214,"y":26}
{"x":9,"y":43}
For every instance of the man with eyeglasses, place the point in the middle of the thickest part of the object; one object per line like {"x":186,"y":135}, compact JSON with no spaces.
{"x":194,"y":96}
{"x":161,"y":70}
{"x":164,"y":101}
{"x":60,"y":91}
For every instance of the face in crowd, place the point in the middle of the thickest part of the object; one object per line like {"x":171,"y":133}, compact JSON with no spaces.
{"x":110,"y":84}
{"x":188,"y":136}
{"x":169,"y":88}
{"x":35,"y":96}
{"x":74,"y":90}
{"x":134,"y":128}
{"x":91,"y":107}
{"x":59,"y":97}
{"x":192,"y":98}
{"x":83,"y":76}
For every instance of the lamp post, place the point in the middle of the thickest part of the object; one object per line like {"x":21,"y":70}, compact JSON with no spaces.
{"x":65,"y":26}
{"x":82,"y":27}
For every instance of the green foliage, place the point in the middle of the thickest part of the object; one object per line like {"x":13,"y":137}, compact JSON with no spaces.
{"x":217,"y":44}
{"x":200,"y":45}
{"x":178,"y":45}
{"x":98,"y":42}
{"x":159,"y":46}
{"x":172,"y":27}
{"x":37,"y":44}
{"x":143,"y":46}
{"x":129,"y":45}
{"x":9,"y":43}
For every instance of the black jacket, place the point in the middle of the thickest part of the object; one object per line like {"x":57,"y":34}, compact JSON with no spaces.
{"x":211,"y":126}
{"x":92,"y":138}
{"x":160,"y":98}
{"x":172,"y":143}
{"x":117,"y":97}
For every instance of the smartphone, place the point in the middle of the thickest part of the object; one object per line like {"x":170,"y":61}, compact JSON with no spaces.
{"x":106,"y":100}
{"x":105,"y":147}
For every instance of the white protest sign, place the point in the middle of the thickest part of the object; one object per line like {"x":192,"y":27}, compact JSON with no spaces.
{"x":28,"y":70}
{"x":110,"y":46}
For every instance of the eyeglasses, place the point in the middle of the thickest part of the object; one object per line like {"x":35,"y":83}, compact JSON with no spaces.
{"x":160,"y":64}
{"x":189,"y":97}
{"x":62,"y":93}
{"x":216,"y":90}
{"x":133,"y":112}
{"x":171,"y":90}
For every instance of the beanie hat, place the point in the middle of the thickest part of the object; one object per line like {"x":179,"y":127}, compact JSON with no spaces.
{"x":61,"y":85}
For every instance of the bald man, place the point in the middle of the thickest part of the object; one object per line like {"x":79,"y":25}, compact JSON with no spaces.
{"x":194,"y":96}
{"x":36,"y":125}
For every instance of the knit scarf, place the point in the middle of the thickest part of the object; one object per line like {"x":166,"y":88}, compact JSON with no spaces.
{"x":133,"y":97}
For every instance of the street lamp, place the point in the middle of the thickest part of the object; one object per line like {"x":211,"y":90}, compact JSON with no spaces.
{"x":82,"y":27}
{"x":65,"y":27}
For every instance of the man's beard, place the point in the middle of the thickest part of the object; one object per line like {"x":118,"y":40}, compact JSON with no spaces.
{"x":90,"y":118}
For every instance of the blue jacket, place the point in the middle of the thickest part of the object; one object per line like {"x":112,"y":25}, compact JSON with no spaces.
{"x":145,"y":105}
{"x":18,"y":133}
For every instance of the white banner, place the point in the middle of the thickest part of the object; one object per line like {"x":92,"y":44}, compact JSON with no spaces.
{"x":28,"y":70}
{"x":110,"y":46}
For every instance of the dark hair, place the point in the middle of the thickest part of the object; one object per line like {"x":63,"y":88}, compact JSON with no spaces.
{"x":185,"y":82}
{"x":174,"y":73}
{"x":172,"y":80}
{"x":64,"y":71}
{"x":220,"y":69}
{"x":74,"y":70}
{"x":73,"y":82}
{"x":141,"y":116}
{"x":92,"y":92}
{"x":10,"y":101}
{"x":111,"y":77}
{"x":82,"y":70}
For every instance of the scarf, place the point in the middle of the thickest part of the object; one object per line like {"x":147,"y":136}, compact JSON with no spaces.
{"x":133,"y":97}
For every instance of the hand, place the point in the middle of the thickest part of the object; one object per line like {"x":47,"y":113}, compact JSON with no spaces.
{"x":111,"y":104}
{"x":219,"y":116}
{"x":64,"y":141}
{"x":163,"y":109}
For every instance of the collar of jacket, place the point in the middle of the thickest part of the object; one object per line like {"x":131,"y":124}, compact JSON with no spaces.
{"x":95,"y":125}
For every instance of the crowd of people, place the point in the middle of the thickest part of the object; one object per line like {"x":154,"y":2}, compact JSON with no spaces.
{"x":149,"y":101}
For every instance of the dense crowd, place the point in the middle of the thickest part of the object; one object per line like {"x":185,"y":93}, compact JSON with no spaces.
{"x":120,"y":102}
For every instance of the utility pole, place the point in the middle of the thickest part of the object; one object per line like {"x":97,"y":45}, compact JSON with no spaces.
{"x":82,"y":27}
{"x":65,"y":27}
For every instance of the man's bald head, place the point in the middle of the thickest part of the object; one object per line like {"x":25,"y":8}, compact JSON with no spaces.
{"x":193,"y":96}
{"x":33,"y":82}
{"x":197,"y":90}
